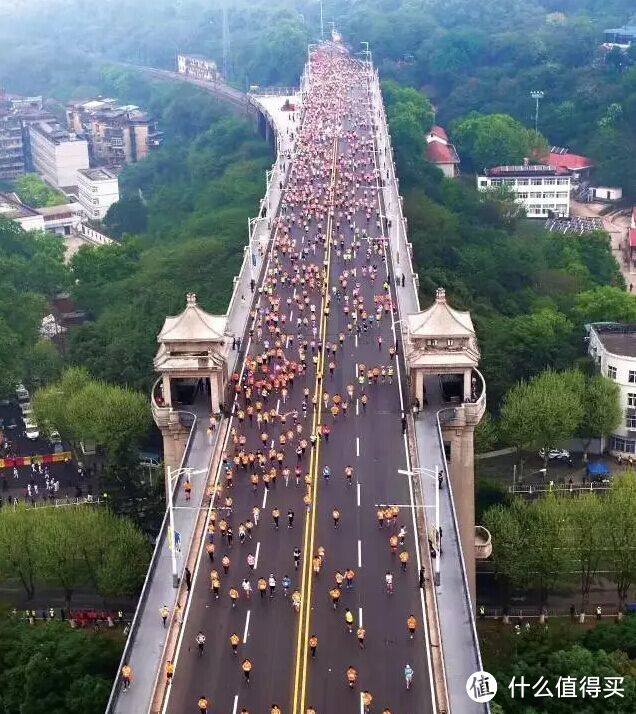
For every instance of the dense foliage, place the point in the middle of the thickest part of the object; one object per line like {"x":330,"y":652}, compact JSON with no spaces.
{"x":33,"y":191}
{"x":32,"y":272}
{"x":66,"y":548}
{"x":566,"y":541}
{"x":54,"y":668}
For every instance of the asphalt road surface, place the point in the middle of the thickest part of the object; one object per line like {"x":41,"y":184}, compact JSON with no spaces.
{"x":333,"y":166}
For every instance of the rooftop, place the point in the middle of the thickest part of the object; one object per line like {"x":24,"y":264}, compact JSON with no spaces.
{"x":54,"y":132}
{"x":11,"y":207}
{"x":617,"y":338}
{"x":441,"y":320}
{"x":562,"y":158}
{"x":438,"y":131}
{"x":100,"y":174}
{"x":523,"y":170}
{"x":193,"y":325}
{"x":440,"y":153}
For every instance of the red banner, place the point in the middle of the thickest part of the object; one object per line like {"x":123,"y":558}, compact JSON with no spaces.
{"x":10,"y":462}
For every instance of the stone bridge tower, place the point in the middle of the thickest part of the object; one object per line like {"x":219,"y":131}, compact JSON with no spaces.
{"x":442,"y":359}
{"x":192,"y":362}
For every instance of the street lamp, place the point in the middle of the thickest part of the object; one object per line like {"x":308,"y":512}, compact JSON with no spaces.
{"x":433,"y":474}
{"x":251,"y":229}
{"x":537,"y":95}
{"x":171,"y":476}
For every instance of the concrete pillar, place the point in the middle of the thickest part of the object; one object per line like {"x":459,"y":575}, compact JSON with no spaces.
{"x":167,"y":396}
{"x":419,"y":385}
{"x":174,"y":443}
{"x":468,"y":373}
{"x":215,"y":392}
{"x":462,"y":474}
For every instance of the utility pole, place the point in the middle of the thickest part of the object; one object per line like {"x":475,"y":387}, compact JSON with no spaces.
{"x":537,"y":95}
{"x":225,"y":34}
{"x":322,"y":26}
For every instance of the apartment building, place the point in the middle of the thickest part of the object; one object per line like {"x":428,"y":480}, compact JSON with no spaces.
{"x":116,"y":134}
{"x":57,"y":154}
{"x":12,"y":162}
{"x":97,"y":189}
{"x":198,"y":66}
{"x":543,"y":190}
{"x":612,"y":346}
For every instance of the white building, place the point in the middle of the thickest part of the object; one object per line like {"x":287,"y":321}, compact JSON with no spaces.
{"x":542,"y":189}
{"x":57,"y":155}
{"x":11,"y":207}
{"x":197,"y":66}
{"x":97,"y":189}
{"x":613,"y":348}
{"x":63,"y":220}
{"x":605,"y":193}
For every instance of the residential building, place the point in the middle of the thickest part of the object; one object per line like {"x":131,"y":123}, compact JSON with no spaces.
{"x":441,"y":152}
{"x":116,"y":134}
{"x":57,"y":154}
{"x":198,"y":66}
{"x":98,"y":189}
{"x":12,"y":162}
{"x":612,"y":346}
{"x":12,"y":208}
{"x":607,"y":194}
{"x":63,"y":220}
{"x":543,"y":190}
{"x":621,"y":36}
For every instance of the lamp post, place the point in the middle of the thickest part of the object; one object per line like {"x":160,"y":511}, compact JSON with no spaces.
{"x":251,"y":228}
{"x":171,"y":476}
{"x":537,"y":95}
{"x":433,"y":474}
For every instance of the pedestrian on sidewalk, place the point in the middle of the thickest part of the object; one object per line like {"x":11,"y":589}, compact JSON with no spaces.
{"x":404,"y":423}
{"x":164,"y":612}
{"x":188,"y":578}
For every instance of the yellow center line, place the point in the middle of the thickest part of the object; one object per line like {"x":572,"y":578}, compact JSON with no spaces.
{"x":300,"y":675}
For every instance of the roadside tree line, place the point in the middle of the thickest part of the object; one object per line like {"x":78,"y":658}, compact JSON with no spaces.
{"x":71,"y":547}
{"x":558,"y":541}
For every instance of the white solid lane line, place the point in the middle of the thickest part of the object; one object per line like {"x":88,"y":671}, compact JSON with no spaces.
{"x":359,"y":553}
{"x":357,"y":407}
{"x":247,"y":626}
{"x":235,"y":708}
{"x":358,"y":493}
{"x":359,"y":617}
{"x":258,"y":550}
{"x":357,"y":446}
{"x":265,"y":497}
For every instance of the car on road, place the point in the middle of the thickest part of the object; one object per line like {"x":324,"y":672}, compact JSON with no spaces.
{"x":22,"y":393}
{"x":31,"y":430}
{"x":27,"y":409}
{"x":56,"y":441}
{"x":555,"y":454}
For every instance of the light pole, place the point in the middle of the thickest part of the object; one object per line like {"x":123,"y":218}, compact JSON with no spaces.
{"x":537,"y":95}
{"x":251,"y":229}
{"x":322,"y":26}
{"x":433,"y":474}
{"x":171,"y":475}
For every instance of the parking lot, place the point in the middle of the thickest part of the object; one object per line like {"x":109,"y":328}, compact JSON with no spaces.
{"x":64,"y":476}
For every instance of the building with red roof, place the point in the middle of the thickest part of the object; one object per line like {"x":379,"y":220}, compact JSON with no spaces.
{"x":577,"y":165}
{"x":441,"y":152}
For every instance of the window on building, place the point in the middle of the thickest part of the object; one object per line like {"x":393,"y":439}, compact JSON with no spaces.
{"x":523,"y":194}
{"x":483,"y":183}
{"x":522,"y":182}
{"x":496,"y":182}
{"x":631,"y":399}
{"x":562,"y":182}
{"x":536,"y":182}
{"x":549,"y":182}
{"x":431,"y":343}
{"x":631,"y":377}
{"x":535,"y":194}
{"x":548,"y":194}
{"x":626,"y":446}
{"x":450,"y":342}
{"x":611,"y":371}
{"x":630,"y":421}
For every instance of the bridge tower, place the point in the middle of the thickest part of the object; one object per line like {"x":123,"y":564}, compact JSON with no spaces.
{"x":192,"y":362}
{"x":442,"y":358}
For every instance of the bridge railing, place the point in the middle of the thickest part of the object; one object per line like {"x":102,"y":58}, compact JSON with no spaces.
{"x":159,"y":545}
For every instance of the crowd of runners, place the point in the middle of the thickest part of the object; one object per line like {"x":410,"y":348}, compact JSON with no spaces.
{"x":327,"y":250}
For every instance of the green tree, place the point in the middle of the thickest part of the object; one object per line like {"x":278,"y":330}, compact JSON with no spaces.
{"x":485,"y":140}
{"x":544,"y":412}
{"x":605,"y":304}
{"x":586,"y":538}
{"x":20,"y":556}
{"x":619,"y":531}
{"x":602,"y":411}
{"x":34,"y":192}
{"x":485,"y":434}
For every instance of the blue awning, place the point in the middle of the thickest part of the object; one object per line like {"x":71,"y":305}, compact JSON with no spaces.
{"x":597,"y":468}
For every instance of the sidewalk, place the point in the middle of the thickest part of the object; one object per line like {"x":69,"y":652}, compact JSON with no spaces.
{"x":145,"y":646}
{"x":461,"y":657}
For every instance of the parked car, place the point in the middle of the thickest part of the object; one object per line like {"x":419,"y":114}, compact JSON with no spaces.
{"x":11,"y":423}
{"x":26,"y":408}
{"x":556,"y":454}
{"x":31,"y":430}
{"x":22,"y":393}
{"x":56,"y":441}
